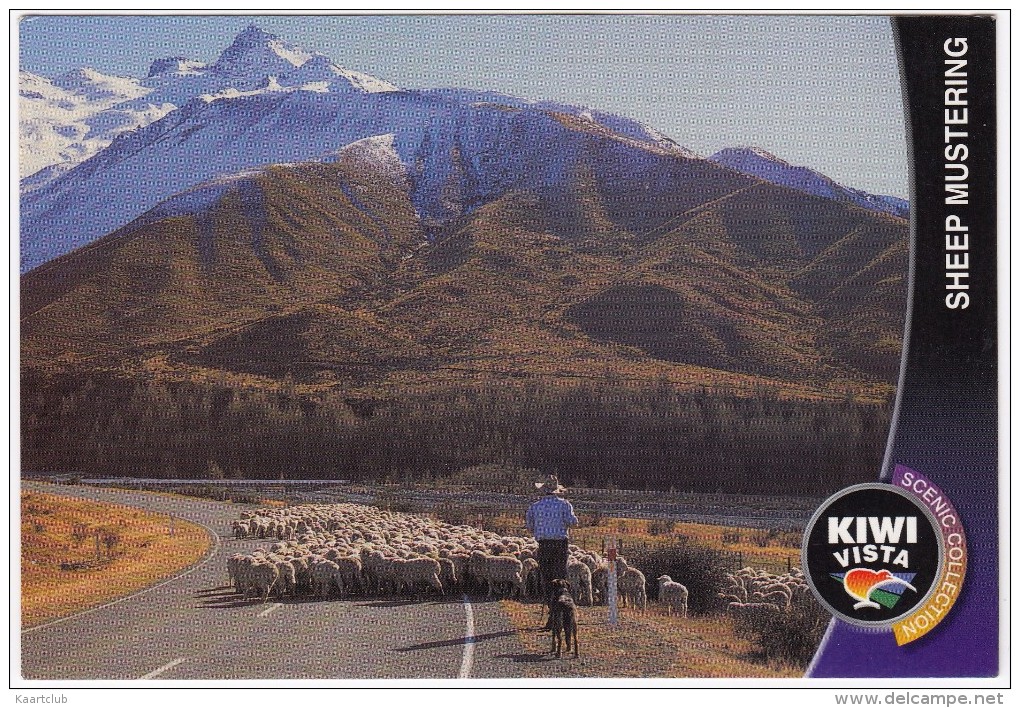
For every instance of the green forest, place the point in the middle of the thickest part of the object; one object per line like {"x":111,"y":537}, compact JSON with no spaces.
{"x":608,"y":434}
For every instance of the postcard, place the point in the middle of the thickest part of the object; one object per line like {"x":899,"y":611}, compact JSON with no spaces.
{"x":547,"y":349}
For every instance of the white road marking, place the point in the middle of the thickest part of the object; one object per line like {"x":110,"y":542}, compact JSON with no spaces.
{"x":161,"y":669}
{"x":274,"y":606}
{"x":469,"y":645}
{"x":211,"y":554}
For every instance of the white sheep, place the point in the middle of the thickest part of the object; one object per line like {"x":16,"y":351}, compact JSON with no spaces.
{"x":631,"y":585}
{"x":500,"y":572}
{"x":531,"y":576}
{"x":263,"y":575}
{"x":411,"y":573}
{"x":287,"y":583}
{"x":756,"y":613}
{"x":673,"y":595}
{"x":579,"y":577}
{"x":396,"y":552}
{"x":323,"y":572}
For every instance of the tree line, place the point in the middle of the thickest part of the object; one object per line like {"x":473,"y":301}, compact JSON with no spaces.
{"x":603,"y":434}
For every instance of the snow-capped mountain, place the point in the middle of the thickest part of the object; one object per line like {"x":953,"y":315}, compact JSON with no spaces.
{"x":125,"y":145}
{"x":264,"y":101}
{"x":67,"y":119}
{"x":173,"y":65}
{"x":764,"y":165}
{"x":71,"y":117}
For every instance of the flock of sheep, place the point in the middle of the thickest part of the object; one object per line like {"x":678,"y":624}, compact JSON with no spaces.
{"x":756,"y":594}
{"x":335,"y":550}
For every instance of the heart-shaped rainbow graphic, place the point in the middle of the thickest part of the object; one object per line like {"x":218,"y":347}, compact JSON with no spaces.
{"x":875,"y":588}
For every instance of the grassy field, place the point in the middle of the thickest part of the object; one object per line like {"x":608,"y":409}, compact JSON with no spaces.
{"x":76,"y":554}
{"x":642,"y":645}
{"x":651,"y":644}
{"x":759,"y":548}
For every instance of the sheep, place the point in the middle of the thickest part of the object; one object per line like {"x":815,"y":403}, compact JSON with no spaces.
{"x":531,"y":577}
{"x":288,"y":577}
{"x":263,"y":576}
{"x":413,"y":572}
{"x":756,"y":613}
{"x":376,"y":569}
{"x":600,"y":582}
{"x":346,"y":548}
{"x":323,"y":572}
{"x":631,"y":584}
{"x":232,"y":568}
{"x":499,"y":571}
{"x":241,"y":529}
{"x":673,"y":594}
{"x":447,"y":572}
{"x":237,"y":569}
{"x":579,"y":577}
{"x":777,"y":598}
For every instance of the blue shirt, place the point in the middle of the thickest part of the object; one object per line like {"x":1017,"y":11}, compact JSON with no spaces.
{"x":549,"y":517}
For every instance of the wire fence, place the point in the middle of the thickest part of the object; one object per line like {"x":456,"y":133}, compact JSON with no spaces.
{"x":729,"y":560}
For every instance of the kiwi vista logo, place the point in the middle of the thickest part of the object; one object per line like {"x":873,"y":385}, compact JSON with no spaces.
{"x":886,"y":555}
{"x":872,"y":589}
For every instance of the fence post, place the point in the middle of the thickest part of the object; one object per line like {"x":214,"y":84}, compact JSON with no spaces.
{"x":611,"y":584}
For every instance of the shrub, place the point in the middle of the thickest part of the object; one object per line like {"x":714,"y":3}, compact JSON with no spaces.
{"x":661,"y":527}
{"x":787,"y":637}
{"x":241,"y":496}
{"x":111,"y":539}
{"x":697,"y":567}
{"x":763,"y":537}
{"x":79,"y":532}
{"x":731,"y":537}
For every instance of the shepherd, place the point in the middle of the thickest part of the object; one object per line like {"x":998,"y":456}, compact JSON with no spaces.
{"x":549,"y":519}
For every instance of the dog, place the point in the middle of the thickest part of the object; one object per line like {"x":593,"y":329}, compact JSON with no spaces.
{"x":562,"y":617}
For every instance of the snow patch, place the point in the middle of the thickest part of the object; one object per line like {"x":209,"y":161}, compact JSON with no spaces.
{"x":379,"y":151}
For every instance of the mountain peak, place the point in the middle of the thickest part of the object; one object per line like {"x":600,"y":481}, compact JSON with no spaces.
{"x":79,"y":77}
{"x":254,"y":47}
{"x":750,"y":151}
{"x":171,"y":65}
{"x":253,"y":34}
{"x":764,"y":165}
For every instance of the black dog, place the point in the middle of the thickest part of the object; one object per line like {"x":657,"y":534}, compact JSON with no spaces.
{"x":562,"y":616}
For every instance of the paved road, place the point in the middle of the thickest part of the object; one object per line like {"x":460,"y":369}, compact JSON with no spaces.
{"x":194,"y":627}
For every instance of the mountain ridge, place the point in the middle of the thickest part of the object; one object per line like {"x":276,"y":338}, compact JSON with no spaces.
{"x":256,"y":66}
{"x":312,"y":210}
{"x":764,"y":165}
{"x":323,"y":271}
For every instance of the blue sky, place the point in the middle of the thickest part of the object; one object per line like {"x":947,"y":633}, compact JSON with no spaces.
{"x":817,"y":91}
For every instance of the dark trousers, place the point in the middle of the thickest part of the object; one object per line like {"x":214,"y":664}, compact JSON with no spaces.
{"x":552,"y":563}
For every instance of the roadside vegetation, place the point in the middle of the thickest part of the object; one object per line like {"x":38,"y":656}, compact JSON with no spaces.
{"x":77,"y":554}
{"x":644,"y":645}
{"x":611,"y":434}
{"x":710,"y":642}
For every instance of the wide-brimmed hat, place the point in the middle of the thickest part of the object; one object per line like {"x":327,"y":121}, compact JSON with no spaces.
{"x":550,"y":485}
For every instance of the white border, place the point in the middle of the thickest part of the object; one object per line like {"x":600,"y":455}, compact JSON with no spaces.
{"x":785,"y":692}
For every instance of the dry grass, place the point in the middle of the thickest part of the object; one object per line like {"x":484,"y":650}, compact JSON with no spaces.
{"x":781,"y":548}
{"x":775,"y":554}
{"x":642,"y":645}
{"x":57,"y":530}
